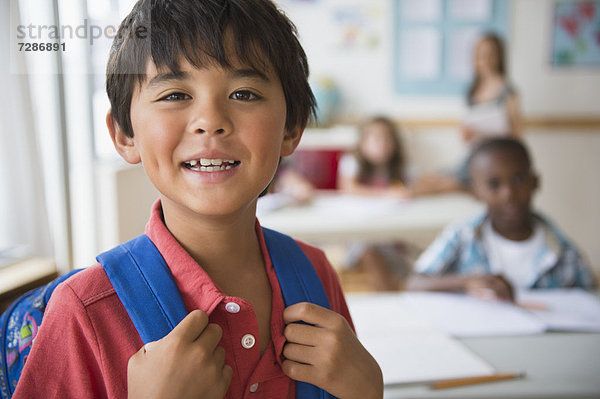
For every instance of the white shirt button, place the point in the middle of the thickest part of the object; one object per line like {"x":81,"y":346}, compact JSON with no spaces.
{"x":254,"y":387}
{"x":248,"y":341}
{"x":232,"y":307}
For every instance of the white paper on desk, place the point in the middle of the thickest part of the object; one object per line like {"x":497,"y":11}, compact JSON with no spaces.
{"x":407,"y":348}
{"x":463,"y":315}
{"x":566,"y":309}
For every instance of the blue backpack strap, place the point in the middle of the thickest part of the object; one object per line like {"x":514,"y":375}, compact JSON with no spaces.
{"x":299,"y":283}
{"x":145,"y":286}
{"x":297,"y":277}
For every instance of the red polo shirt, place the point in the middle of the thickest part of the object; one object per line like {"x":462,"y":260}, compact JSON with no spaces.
{"x":87,"y":338}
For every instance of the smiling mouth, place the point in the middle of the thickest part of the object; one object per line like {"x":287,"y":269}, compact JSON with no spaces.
{"x":210,"y":165}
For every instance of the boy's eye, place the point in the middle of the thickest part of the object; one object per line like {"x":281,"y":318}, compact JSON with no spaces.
{"x":175,"y":97}
{"x":518,"y":180}
{"x":493,"y":184}
{"x":244,"y":95}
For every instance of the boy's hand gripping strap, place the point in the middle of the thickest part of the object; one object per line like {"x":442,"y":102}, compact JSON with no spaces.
{"x":299,"y":283}
{"x":145,"y":286}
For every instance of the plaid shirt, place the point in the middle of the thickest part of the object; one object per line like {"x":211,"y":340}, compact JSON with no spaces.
{"x":459,"y":250}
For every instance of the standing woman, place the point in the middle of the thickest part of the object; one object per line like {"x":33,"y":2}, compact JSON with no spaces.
{"x":493,"y":104}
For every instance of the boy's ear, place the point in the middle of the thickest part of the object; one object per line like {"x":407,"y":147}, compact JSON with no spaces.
{"x":536,"y":181}
{"x":124,"y":144}
{"x":291,"y":139}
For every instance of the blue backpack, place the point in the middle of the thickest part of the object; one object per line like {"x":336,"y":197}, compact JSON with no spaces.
{"x":146,"y":288}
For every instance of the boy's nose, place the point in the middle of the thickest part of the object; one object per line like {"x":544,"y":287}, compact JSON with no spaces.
{"x":507,"y":192}
{"x":211,"y":118}
{"x":218,"y":131}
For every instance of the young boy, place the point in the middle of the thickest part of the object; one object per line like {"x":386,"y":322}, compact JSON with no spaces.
{"x":207,"y":96}
{"x":510,"y":246}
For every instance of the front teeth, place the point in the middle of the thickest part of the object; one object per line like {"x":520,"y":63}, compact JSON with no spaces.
{"x":210,"y":165}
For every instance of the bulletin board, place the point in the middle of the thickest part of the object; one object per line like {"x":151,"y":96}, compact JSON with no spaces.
{"x":434,"y":40}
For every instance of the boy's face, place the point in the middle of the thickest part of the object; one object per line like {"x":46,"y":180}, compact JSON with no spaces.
{"x":209,"y":139}
{"x":504,"y":181}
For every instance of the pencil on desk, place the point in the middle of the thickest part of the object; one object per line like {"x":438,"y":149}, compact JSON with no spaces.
{"x":457,"y":382}
{"x":532,"y":305}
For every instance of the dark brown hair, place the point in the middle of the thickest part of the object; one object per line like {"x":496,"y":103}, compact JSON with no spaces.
{"x":201,"y":32}
{"x":498,"y":45}
{"x":395,"y":165}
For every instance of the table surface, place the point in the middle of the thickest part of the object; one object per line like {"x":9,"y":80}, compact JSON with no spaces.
{"x":335,"y":217}
{"x":557,"y":365}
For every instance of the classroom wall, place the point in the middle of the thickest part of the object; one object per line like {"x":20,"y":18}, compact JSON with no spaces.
{"x":364,"y":75}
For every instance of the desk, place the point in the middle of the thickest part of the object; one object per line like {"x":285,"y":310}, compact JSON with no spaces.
{"x":557,"y":365}
{"x":333,"y":217}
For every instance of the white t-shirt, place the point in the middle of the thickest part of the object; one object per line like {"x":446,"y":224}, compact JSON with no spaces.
{"x":515,"y":260}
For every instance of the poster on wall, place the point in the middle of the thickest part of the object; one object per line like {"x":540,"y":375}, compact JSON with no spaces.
{"x":356,"y":26}
{"x":576,"y":34}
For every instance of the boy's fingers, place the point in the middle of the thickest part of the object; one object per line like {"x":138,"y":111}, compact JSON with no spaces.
{"x":219,"y":356}
{"x":298,"y":371}
{"x":300,"y":353}
{"x":191,"y":326}
{"x":310,"y":313}
{"x":501,"y":287}
{"x":221,"y":386}
{"x":227,"y":375}
{"x":211,"y":336}
{"x":301,"y":333}
{"x":146,"y":348}
{"x":137,"y":355}
{"x":507,"y":288}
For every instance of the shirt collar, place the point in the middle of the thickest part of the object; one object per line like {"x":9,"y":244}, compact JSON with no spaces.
{"x":191,"y":279}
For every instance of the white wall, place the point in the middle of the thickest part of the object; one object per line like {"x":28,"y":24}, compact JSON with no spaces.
{"x":569,"y":161}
